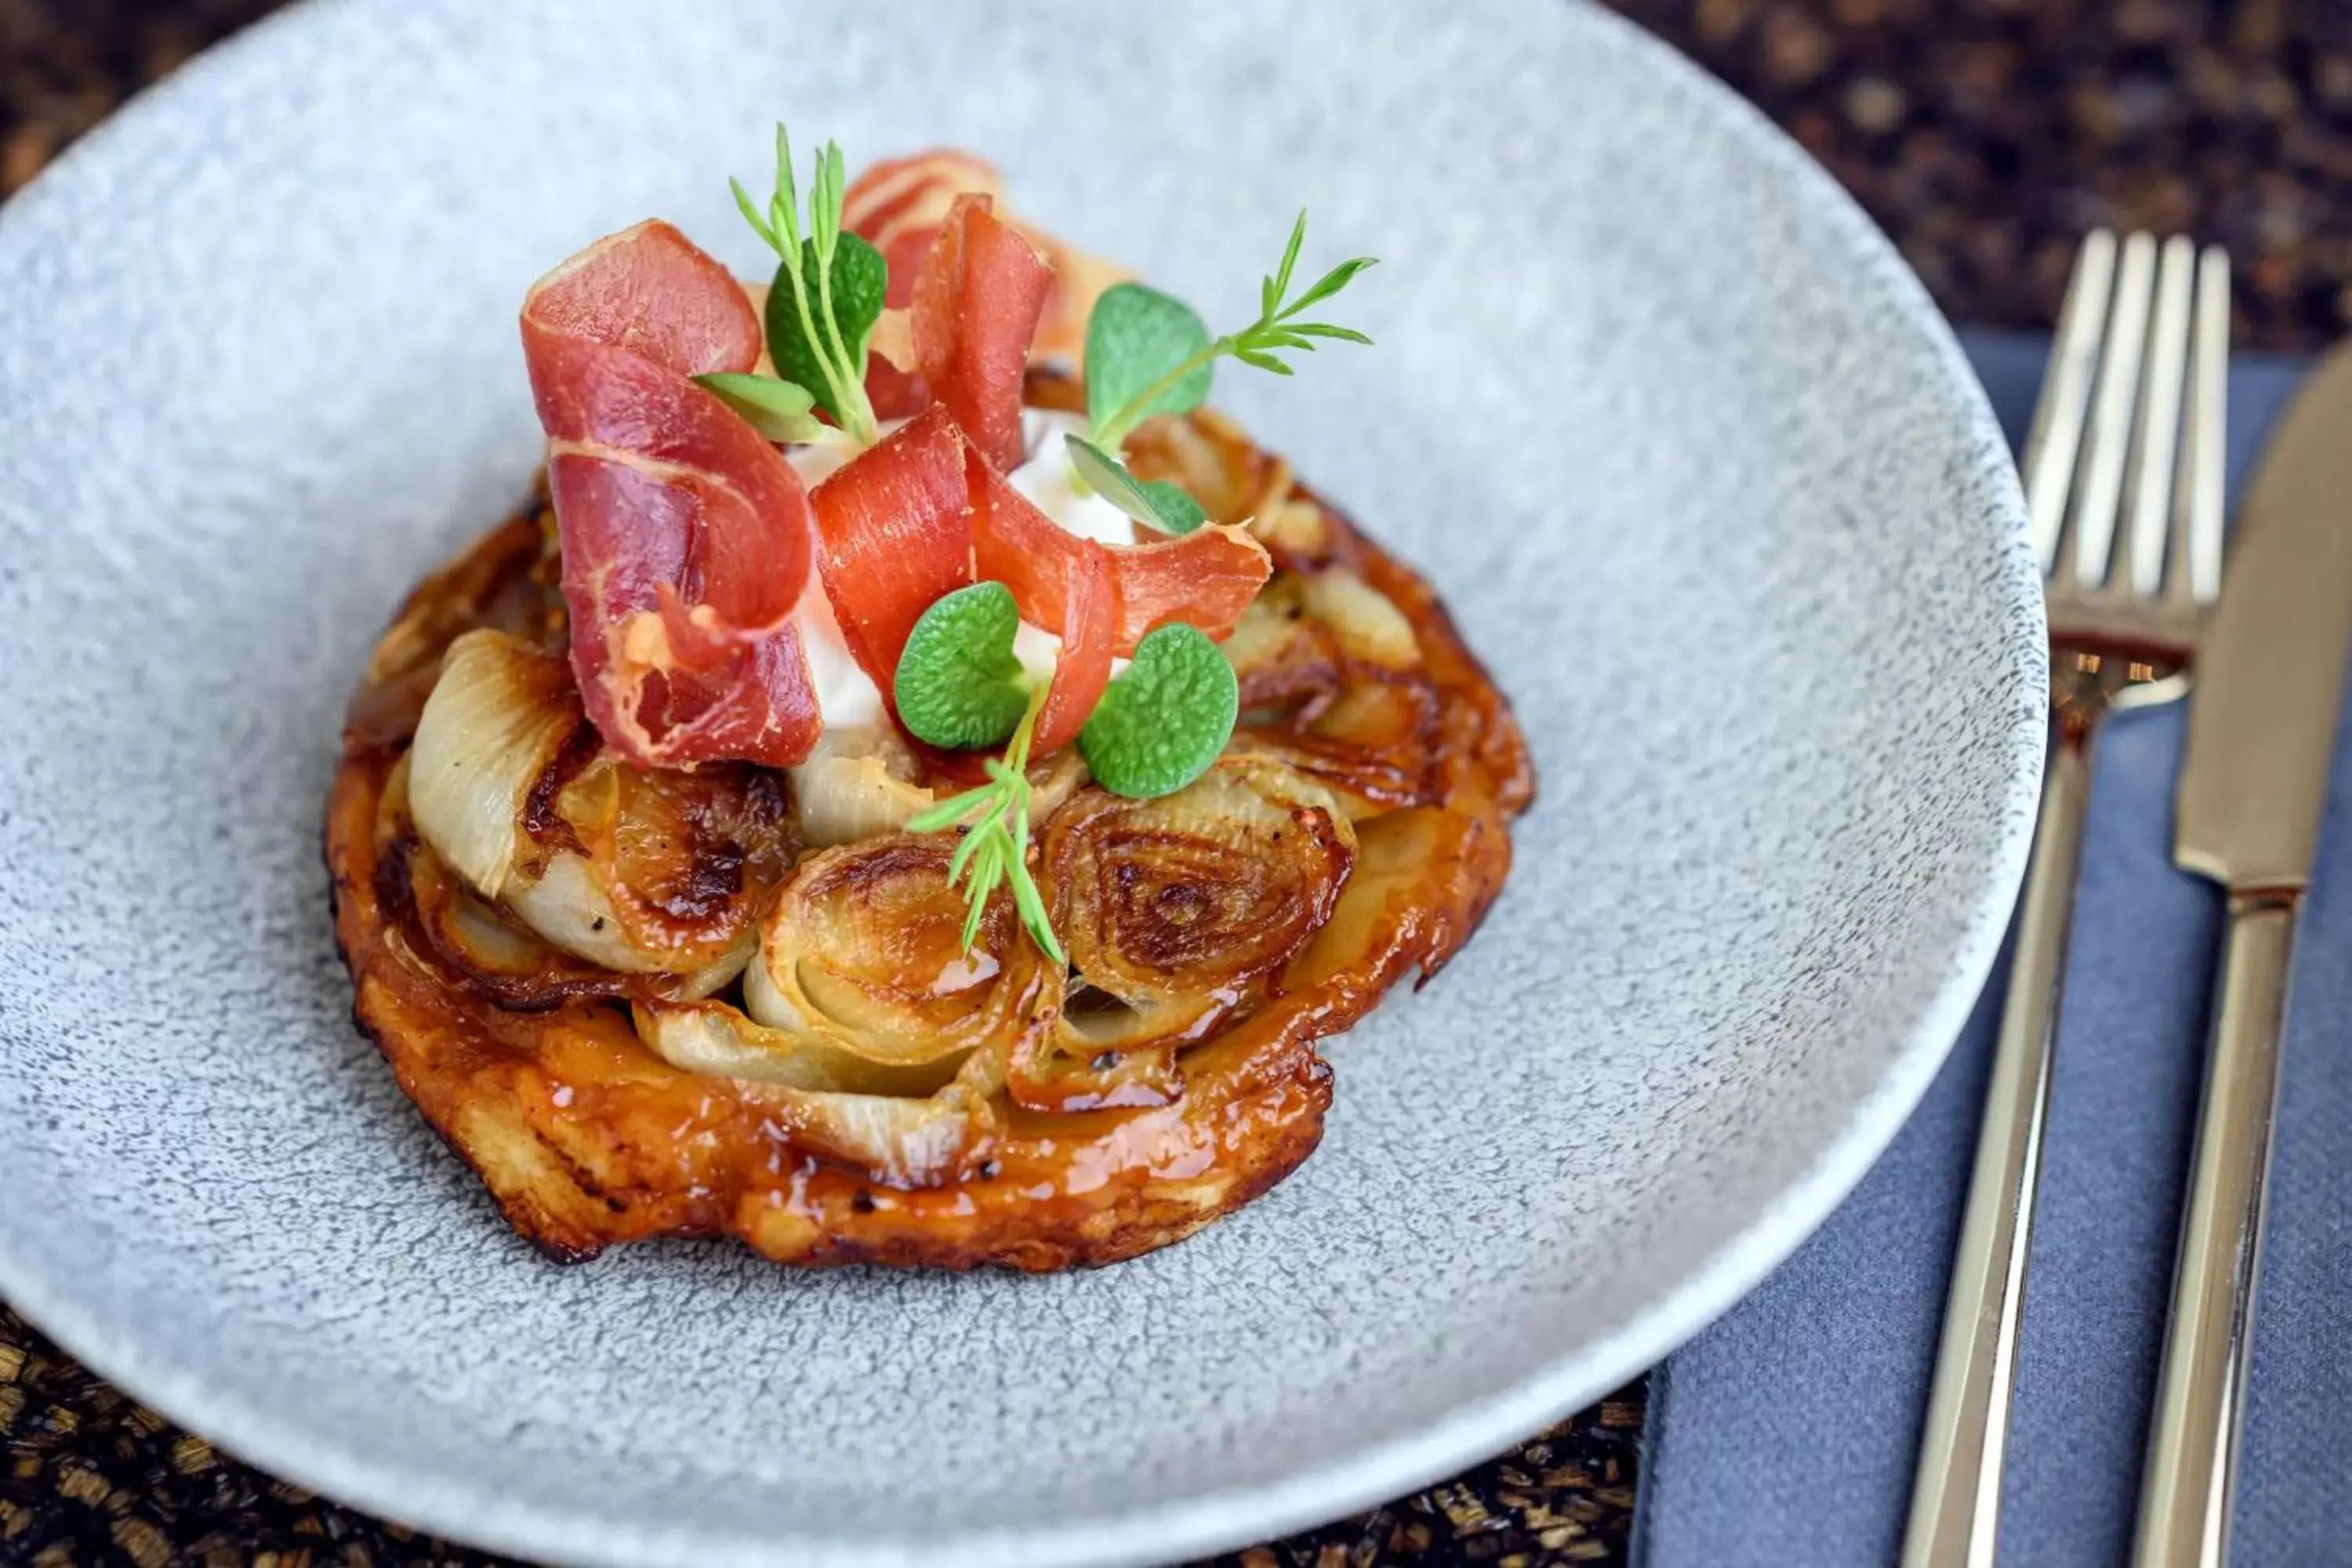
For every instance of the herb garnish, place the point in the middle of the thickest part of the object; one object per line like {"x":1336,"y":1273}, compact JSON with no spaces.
{"x":1148,"y":354}
{"x":958,"y":684}
{"x":822,"y":307}
{"x":1162,"y":723}
{"x":996,"y":848}
{"x":1158,"y":726}
{"x":1164,"y":718}
{"x":778,"y":410}
{"x":1155,"y":503}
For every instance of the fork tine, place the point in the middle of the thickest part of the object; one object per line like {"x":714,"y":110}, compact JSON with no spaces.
{"x":2198,"y":501}
{"x":2056,"y":438}
{"x":2095,"y":510}
{"x":2156,"y":435}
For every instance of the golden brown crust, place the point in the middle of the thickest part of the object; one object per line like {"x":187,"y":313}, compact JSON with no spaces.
{"x":585,"y":1137}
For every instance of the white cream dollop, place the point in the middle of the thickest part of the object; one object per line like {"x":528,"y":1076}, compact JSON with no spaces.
{"x":1046,"y":479}
{"x":846,"y":696}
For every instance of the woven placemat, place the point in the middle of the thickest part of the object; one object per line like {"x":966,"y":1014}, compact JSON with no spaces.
{"x":94,"y":1477}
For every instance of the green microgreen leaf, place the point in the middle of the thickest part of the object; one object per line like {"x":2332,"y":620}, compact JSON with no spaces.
{"x":1174,"y":512}
{"x":828,"y":291}
{"x":949,"y":813}
{"x":987,"y":871}
{"x":1281,"y":280}
{"x":972,"y":841}
{"x":854,"y":286}
{"x":1139,"y":362}
{"x":1029,"y":902}
{"x":1330,"y":283}
{"x":1166,"y":718}
{"x":958,"y":684}
{"x":1155,"y":504}
{"x":824,"y":213}
{"x":778,"y":410}
{"x":1146,"y":354}
{"x":753,"y":216}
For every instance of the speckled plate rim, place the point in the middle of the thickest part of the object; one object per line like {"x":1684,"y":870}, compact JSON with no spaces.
{"x":1384,"y":1469}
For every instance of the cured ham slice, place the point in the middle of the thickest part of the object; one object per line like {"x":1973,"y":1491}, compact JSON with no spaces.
{"x":686,"y":537}
{"x":1062,"y":583}
{"x":975,"y":309}
{"x":650,"y":291}
{"x":924,"y":514}
{"x":894,"y":533}
{"x":1089,"y":616}
{"x":899,"y":206}
{"x":1207,"y":578}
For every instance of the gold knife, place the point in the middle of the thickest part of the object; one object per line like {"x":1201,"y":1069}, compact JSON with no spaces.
{"x":2262,"y":733}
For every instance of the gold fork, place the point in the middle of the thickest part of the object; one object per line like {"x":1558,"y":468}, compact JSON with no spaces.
{"x":2144,"y":330}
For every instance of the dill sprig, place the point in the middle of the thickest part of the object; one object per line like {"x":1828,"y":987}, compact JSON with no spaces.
{"x":994,"y":818}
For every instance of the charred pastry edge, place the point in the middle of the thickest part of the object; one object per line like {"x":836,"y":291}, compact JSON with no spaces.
{"x":841,"y":1216}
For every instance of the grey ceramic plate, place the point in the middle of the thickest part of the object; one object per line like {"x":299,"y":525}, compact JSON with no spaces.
{"x":1682,"y":442}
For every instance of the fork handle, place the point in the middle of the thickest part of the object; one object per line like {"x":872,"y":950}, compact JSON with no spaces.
{"x":1956,"y":1497}
{"x":2192,"y":1453}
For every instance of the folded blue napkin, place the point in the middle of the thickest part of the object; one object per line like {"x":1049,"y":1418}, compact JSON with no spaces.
{"x":1786,"y":1433}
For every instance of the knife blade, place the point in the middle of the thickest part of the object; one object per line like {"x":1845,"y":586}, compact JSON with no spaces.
{"x":2269,"y":664}
{"x":2254,"y":784}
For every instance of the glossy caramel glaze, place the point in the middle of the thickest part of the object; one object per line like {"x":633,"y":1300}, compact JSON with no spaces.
{"x":1096,"y":1137}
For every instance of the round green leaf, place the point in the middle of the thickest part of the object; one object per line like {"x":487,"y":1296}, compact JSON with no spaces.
{"x":1135,"y":336}
{"x":1165,"y":719}
{"x":958,"y":684}
{"x":861,"y":280}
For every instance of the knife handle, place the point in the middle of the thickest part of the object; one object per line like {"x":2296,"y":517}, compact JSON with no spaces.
{"x":2192,"y":1453}
{"x":1956,"y":1497}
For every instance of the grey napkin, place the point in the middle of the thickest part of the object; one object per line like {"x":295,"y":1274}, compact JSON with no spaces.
{"x":1786,"y":1433}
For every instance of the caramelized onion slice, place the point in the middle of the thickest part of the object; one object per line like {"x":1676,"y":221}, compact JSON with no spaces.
{"x":1174,"y":911}
{"x":488,"y":947}
{"x":857,"y":784}
{"x":713,"y":1038}
{"x":644,"y":871}
{"x":897,"y":1138}
{"x":862,"y":784}
{"x":499,"y":715}
{"x":900,"y":1142}
{"x":865,"y":950}
{"x":1280,"y":657}
{"x":681,"y":864}
{"x":1336,"y":684}
{"x":1233,"y":478}
{"x":1416,"y":882}
{"x":1369,"y":627}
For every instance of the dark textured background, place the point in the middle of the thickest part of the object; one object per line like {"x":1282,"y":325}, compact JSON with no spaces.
{"x":1984,"y":135}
